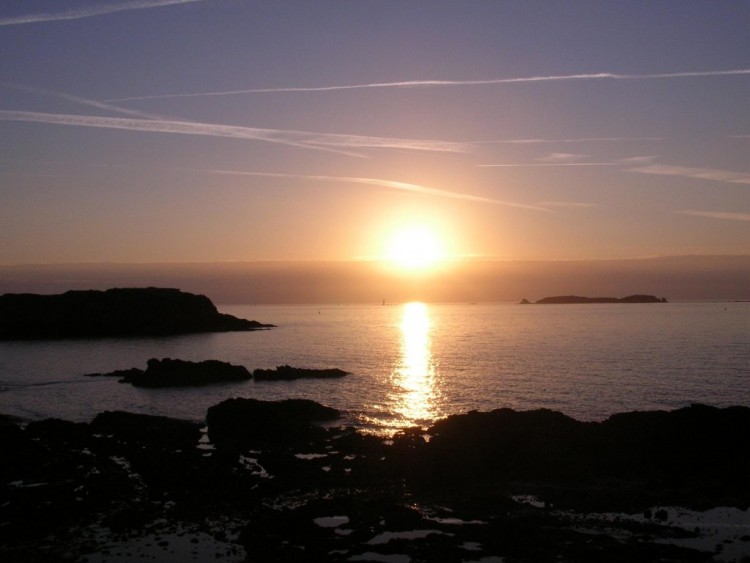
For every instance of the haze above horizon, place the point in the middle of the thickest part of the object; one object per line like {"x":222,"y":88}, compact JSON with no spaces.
{"x":225,"y":130}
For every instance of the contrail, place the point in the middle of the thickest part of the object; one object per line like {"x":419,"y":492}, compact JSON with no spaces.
{"x":446,"y":83}
{"x":716,"y":215}
{"x":403,"y":186}
{"x":699,"y":173}
{"x":555,"y":141}
{"x":304,"y":139}
{"x":538,"y":164}
{"x":91,"y":11}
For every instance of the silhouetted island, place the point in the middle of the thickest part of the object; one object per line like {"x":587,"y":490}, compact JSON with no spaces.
{"x":267,"y":479}
{"x":115,"y":312}
{"x":286,"y":373}
{"x":182,"y":373}
{"x":575,"y":299}
{"x":179,"y":373}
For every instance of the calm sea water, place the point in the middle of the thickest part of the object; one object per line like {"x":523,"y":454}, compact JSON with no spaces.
{"x":414,"y":363}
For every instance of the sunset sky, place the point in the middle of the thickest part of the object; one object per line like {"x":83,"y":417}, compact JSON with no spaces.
{"x":239,"y":130}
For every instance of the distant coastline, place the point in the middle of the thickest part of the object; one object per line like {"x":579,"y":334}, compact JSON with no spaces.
{"x":115,"y":312}
{"x":576,"y":299}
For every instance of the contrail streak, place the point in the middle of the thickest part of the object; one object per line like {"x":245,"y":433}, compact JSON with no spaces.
{"x":304,"y":139}
{"x":403,"y":186}
{"x":446,"y":83}
{"x":91,"y":11}
{"x":555,"y":141}
{"x":539,"y":164}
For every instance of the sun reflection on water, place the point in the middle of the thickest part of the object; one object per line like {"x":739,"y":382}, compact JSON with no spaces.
{"x":414,"y":386}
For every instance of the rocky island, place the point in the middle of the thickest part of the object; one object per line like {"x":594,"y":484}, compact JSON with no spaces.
{"x":179,"y":373}
{"x":575,"y":299}
{"x":183,"y":373}
{"x":287,"y":373}
{"x":119,"y":312}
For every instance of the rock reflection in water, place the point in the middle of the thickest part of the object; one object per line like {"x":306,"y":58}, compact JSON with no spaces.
{"x":414,"y":386}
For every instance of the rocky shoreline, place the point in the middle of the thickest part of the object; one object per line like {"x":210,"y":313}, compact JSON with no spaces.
{"x":279,"y":481}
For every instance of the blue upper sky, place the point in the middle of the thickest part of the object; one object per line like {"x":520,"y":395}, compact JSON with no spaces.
{"x":203,"y":130}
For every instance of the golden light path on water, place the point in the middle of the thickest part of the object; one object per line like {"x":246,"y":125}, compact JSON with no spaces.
{"x":414,"y":378}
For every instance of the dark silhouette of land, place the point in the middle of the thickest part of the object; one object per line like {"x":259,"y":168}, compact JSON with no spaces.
{"x":287,"y":373}
{"x":575,"y":299}
{"x":112,"y":313}
{"x":274,"y":470}
{"x":182,"y":373}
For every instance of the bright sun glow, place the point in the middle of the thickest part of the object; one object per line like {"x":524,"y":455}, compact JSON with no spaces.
{"x":415,"y":248}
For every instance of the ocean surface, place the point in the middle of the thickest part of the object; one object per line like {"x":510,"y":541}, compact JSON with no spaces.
{"x":413,"y":363}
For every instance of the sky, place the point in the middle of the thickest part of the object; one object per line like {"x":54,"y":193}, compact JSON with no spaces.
{"x":152,"y":131}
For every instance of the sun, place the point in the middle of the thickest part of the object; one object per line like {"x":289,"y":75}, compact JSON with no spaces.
{"x":414,"y":248}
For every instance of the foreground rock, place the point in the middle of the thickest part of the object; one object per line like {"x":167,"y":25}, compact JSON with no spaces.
{"x":180,"y":373}
{"x":284,"y":488}
{"x":575,"y":299}
{"x":114,"y":312}
{"x":287,"y":373}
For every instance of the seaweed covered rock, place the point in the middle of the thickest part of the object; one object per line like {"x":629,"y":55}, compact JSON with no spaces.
{"x":161,"y":431}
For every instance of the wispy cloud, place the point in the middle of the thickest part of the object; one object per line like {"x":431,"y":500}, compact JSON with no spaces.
{"x":390,"y":184}
{"x":91,"y":11}
{"x":543,"y":164}
{"x":700,"y":173}
{"x":450,"y":83}
{"x":556,"y":141}
{"x":567,"y":204}
{"x":717,"y":215}
{"x":303,"y":139}
{"x":562,"y":158}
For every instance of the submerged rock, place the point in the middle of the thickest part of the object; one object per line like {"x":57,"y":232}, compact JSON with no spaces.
{"x":115,"y":312}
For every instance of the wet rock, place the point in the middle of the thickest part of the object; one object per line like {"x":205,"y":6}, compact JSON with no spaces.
{"x":143,"y":429}
{"x":239,"y":424}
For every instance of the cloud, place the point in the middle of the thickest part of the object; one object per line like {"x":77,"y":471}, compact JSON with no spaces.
{"x":567,"y":204}
{"x":451,"y":83}
{"x":700,"y":173}
{"x":538,"y":164}
{"x":90,"y":11}
{"x":391,"y":184}
{"x":303,"y":139}
{"x":645,"y":159}
{"x":562,"y":158}
{"x":579,"y":140}
{"x":717,"y":215}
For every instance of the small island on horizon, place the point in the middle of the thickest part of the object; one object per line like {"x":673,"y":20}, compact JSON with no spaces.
{"x":575,"y":299}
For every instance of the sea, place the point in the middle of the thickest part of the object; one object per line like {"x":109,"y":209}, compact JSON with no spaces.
{"x":410,"y":364}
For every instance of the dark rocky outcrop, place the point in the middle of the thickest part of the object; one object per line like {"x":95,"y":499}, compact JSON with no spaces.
{"x":290,"y":490}
{"x":179,"y":373}
{"x":237,"y":424}
{"x":575,"y":299}
{"x":114,"y":312}
{"x":285,"y":373}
